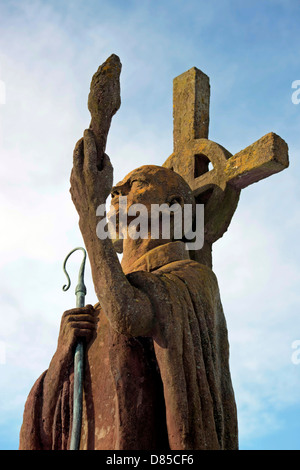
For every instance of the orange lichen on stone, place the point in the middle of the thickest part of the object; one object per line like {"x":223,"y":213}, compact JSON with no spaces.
{"x":265,"y":157}
{"x":219,"y":188}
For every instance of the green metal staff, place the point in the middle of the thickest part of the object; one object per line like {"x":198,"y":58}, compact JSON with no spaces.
{"x":80,"y":292}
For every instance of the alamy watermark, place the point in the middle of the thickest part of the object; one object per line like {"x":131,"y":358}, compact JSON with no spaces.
{"x":160,"y":221}
{"x":296,"y":94}
{"x":296,"y":354}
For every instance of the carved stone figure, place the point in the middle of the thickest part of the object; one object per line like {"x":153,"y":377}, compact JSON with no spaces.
{"x":157,"y":355}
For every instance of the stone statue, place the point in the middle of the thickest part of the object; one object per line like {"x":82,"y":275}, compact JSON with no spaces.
{"x":157,"y":355}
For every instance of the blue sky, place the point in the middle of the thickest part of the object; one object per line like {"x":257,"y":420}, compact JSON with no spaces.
{"x":48,"y":54}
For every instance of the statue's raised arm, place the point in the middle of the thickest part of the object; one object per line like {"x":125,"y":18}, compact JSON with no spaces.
{"x":92,"y":173}
{"x":91,"y":184}
{"x":104,"y":101}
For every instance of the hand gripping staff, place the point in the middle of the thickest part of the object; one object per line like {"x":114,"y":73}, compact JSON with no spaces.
{"x":80,"y":292}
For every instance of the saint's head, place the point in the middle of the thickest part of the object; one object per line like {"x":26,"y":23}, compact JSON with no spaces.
{"x":145,"y":190}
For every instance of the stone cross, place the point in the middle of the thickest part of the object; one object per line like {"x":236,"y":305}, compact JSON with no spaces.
{"x":218,"y":188}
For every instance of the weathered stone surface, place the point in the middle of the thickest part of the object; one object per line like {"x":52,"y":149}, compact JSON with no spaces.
{"x":157,"y":366}
{"x":157,"y":356}
{"x":104,"y":100}
{"x":191,"y":91}
{"x":264,"y":158}
{"x":209,"y":188}
{"x":169,"y":389}
{"x":219,"y":189}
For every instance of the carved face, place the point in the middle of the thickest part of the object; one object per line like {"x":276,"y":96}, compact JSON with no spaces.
{"x":149,"y":185}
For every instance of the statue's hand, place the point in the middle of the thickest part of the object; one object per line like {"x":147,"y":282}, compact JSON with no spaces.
{"x":77,"y":323}
{"x":90,"y":186}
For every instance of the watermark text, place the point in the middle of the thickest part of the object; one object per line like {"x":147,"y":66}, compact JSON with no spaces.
{"x":160,"y":221}
{"x":296,"y":94}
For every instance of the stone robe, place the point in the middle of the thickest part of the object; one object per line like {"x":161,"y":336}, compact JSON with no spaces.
{"x":169,"y":390}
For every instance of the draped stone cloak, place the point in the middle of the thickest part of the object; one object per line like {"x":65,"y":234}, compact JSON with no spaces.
{"x":170,"y":389}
